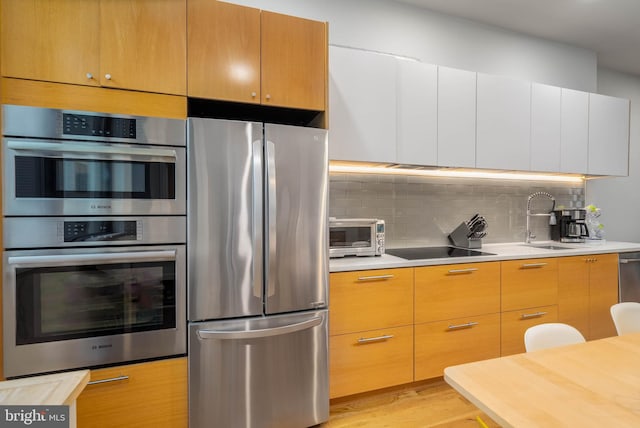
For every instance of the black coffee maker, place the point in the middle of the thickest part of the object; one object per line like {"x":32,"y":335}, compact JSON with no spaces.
{"x":570,"y":225}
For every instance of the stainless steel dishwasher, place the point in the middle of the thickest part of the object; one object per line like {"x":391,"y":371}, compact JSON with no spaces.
{"x":629,"y":282}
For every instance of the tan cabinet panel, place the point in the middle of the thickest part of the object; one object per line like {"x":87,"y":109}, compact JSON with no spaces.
{"x":366,"y":361}
{"x":573,"y":293}
{"x":294,"y":62}
{"x":446,"y":343}
{"x":143,"y":45}
{"x":451,"y":291}
{"x":603,"y":293}
{"x":529,"y":283}
{"x":76,"y":97}
{"x":515,"y":323}
{"x":587,"y":288}
{"x":369,"y":300}
{"x":224,"y":51}
{"x":54,"y":40}
{"x":154,"y":394}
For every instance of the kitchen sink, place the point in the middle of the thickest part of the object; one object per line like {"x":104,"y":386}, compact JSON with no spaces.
{"x":549,"y":246}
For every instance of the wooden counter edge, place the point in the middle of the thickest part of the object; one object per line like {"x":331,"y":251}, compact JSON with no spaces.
{"x":66,"y":387}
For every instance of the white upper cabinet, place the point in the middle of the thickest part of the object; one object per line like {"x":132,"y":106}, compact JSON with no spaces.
{"x":417,"y":113}
{"x":545,"y":127}
{"x":504,"y":123}
{"x":574,"y":131}
{"x":608,"y":135}
{"x":362,"y":106}
{"x":456,"y":117}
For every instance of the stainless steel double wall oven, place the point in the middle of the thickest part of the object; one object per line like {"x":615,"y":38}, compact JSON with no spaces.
{"x":94,"y":218}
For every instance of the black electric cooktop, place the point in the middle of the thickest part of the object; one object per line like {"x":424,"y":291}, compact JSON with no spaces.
{"x":434,"y":252}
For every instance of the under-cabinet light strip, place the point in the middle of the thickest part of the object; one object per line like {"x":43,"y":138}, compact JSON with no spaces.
{"x":356,"y":169}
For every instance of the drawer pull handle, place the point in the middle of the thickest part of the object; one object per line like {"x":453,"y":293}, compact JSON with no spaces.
{"x":375,"y":339}
{"x":533,"y":265}
{"x":461,"y":326}
{"x":111,"y":379}
{"x":463,"y":270}
{"x":533,"y":315}
{"x":375,"y":277}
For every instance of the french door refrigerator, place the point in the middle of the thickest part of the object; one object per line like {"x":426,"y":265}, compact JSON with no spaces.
{"x":257,"y":274}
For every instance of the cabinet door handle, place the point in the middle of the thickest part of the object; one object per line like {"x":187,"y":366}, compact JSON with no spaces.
{"x":375,"y":339}
{"x":533,"y":265}
{"x":111,"y":379}
{"x":461,"y":326}
{"x":374,"y":278}
{"x":469,"y":270}
{"x":533,"y":315}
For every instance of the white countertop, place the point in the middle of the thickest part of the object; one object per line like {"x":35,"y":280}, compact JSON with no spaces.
{"x":507,"y":251}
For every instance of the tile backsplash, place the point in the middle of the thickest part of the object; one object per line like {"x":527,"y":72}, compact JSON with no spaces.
{"x":422,"y":211}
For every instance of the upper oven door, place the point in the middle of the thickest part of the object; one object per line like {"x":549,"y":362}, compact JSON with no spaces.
{"x":53,"y":177}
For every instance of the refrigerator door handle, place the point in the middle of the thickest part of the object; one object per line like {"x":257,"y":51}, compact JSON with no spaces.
{"x":271,"y":218}
{"x":266,"y":332}
{"x":257,"y":219}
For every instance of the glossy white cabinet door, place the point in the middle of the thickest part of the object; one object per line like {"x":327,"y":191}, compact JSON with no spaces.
{"x":608,"y":135}
{"x":545,"y":127}
{"x":362,"y":105}
{"x":574,"y":131}
{"x":456,"y":117}
{"x":504,"y":123}
{"x":417,"y":114}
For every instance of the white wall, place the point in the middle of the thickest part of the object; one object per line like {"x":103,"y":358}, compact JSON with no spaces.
{"x":619,"y":198}
{"x":401,"y":29}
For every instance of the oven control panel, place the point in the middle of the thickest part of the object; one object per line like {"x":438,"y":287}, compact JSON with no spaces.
{"x":98,"y":126}
{"x":101,"y":230}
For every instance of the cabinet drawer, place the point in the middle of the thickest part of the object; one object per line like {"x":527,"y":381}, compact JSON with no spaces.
{"x":146,"y":394}
{"x":453,"y":291}
{"x":366,"y":361}
{"x":369,"y":300}
{"x":529,"y":283}
{"x":446,"y":343}
{"x":515,"y":323}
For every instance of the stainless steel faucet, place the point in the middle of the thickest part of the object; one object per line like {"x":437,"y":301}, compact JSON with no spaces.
{"x":529,"y":234}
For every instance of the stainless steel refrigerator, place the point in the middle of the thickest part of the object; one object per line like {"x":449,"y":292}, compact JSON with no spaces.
{"x":257,"y":274}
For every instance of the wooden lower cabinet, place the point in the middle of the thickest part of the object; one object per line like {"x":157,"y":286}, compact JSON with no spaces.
{"x":515,"y":323}
{"x":367,"y":360}
{"x":445,"y":343}
{"x":370,"y":300}
{"x":153,"y":394}
{"x":587,"y":288}
{"x":603,"y":293}
{"x":529,"y":283}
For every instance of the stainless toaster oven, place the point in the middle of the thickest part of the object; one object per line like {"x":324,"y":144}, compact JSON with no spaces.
{"x":356,"y":237}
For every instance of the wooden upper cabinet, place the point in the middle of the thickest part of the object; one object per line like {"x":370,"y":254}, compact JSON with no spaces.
{"x":294,"y":61}
{"x":224,"y":51}
{"x":242,"y":54}
{"x":140,"y":45}
{"x":143,"y":45}
{"x":54,"y":41}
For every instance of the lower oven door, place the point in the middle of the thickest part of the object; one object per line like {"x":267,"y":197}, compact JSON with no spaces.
{"x":71,"y":308}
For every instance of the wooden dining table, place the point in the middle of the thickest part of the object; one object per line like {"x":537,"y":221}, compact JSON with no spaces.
{"x":592,"y":384}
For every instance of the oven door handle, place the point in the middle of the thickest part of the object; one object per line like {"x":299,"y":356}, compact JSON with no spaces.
{"x":33,"y":146}
{"x":88,"y":259}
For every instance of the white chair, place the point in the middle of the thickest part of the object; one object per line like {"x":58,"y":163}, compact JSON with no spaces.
{"x":550,"y":335}
{"x":626,"y":317}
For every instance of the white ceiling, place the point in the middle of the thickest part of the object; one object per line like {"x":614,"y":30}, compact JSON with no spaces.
{"x":611,"y":28}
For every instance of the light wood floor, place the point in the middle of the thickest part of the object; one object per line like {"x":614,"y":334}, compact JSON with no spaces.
{"x":429,"y":404}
